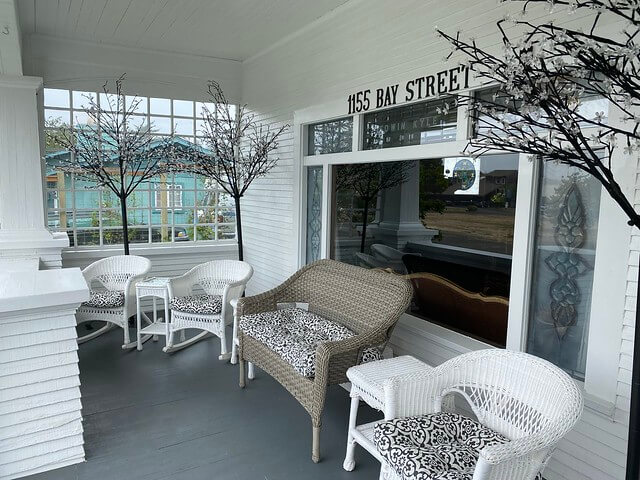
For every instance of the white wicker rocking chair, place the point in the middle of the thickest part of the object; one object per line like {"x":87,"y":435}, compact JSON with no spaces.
{"x":117,"y":302}
{"x":221,"y":281}
{"x":518,"y":396}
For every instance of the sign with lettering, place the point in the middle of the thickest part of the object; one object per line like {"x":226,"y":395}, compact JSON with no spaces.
{"x":443,"y":82}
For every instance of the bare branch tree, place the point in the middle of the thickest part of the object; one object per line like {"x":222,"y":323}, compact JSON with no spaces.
{"x":115,"y":150}
{"x":547,"y":82}
{"x":367,"y":180}
{"x":238,"y":149}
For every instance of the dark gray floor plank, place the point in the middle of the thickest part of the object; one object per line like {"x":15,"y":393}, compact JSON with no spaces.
{"x":149,"y":415}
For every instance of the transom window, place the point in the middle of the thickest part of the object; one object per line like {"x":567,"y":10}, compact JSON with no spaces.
{"x":176,"y":207}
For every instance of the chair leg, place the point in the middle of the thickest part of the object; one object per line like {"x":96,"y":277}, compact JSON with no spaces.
{"x":234,"y":340}
{"x":241,"y":370}
{"x":127,"y":337}
{"x":224,"y":355}
{"x":349,"y":458}
{"x":315,"y":448}
{"x":252,"y":373}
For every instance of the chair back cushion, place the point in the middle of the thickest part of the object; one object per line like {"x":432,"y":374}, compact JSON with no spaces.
{"x":355,"y":297}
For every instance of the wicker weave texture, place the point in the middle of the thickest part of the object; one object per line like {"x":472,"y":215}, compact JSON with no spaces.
{"x":115,"y":273}
{"x":368,"y":302}
{"x":529,"y":400}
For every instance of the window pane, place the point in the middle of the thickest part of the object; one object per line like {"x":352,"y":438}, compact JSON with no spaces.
{"x":54,"y":97}
{"x":330,"y":137}
{"x":415,"y":124}
{"x":314,"y":213}
{"x":161,"y":125}
{"x":183,"y":126}
{"x":56,"y":118}
{"x":82,"y":100}
{"x":110,"y":102}
{"x":565,"y":243}
{"x":136,"y":104}
{"x":183,"y":108}
{"x":161,"y":106}
{"x":447,"y":223}
{"x":88,"y":237}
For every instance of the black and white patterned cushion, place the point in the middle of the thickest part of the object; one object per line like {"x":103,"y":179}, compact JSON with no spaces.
{"x":440,"y":446}
{"x":198,"y":304}
{"x":294,"y":334}
{"x":105,"y":299}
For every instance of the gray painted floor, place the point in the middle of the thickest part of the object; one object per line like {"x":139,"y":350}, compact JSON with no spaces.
{"x":150,"y":415}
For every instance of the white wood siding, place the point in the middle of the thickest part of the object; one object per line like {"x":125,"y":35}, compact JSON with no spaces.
{"x":370,"y":44}
{"x":40,"y":411}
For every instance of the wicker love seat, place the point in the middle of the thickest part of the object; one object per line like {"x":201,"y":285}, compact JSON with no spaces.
{"x":367,"y":302}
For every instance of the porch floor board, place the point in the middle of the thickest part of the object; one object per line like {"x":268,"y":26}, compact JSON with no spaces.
{"x":182,"y":416}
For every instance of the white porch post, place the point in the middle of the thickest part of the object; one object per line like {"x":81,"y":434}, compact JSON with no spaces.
{"x":23,"y":235}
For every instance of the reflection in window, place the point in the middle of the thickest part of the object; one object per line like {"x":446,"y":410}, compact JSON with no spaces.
{"x":447,"y":225}
{"x":564,"y":256}
{"x":334,"y":136}
{"x":414,"y":124}
{"x":591,"y":107}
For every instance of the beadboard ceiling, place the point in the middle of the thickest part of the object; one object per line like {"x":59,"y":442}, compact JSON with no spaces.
{"x":228,"y":29}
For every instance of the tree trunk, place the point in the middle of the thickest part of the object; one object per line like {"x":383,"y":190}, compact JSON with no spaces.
{"x":365,"y":214}
{"x":125,"y":225}
{"x":633,"y":448}
{"x":239,"y":228}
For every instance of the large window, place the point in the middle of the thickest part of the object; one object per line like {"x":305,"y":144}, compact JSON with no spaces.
{"x":445,"y":223}
{"x":170,"y":208}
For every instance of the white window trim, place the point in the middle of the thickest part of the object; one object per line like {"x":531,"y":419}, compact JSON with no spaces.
{"x":604,"y":339}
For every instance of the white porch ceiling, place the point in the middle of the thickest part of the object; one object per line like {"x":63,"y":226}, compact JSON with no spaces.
{"x":229,"y":29}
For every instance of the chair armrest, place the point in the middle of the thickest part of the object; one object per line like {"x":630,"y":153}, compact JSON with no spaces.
{"x":519,"y":448}
{"x":326,"y":350}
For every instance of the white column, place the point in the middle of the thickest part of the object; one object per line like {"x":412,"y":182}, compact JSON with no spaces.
{"x":23,"y":233}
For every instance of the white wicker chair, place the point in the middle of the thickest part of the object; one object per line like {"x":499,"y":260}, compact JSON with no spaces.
{"x":226,"y":278}
{"x":528,"y":400}
{"x":115,"y":274}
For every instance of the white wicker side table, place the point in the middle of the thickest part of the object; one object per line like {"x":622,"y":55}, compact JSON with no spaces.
{"x":155,"y":287}
{"x":367,"y":384}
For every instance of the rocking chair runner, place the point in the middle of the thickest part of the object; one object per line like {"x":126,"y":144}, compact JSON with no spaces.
{"x":116,"y":303}
{"x":367,"y":302}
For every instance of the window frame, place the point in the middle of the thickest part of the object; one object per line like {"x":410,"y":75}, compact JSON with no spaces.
{"x":149,"y":190}
{"x":602,"y":363}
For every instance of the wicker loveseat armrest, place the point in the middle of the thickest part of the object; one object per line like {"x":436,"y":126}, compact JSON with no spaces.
{"x":355,"y":344}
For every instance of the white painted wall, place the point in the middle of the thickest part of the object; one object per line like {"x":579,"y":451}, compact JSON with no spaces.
{"x":373,"y":43}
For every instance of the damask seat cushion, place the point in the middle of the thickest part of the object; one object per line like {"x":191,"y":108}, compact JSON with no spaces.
{"x":198,"y":304}
{"x":441,"y":446}
{"x":294,"y":334}
{"x":105,"y":299}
